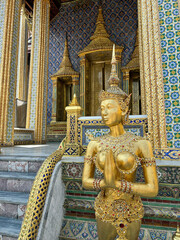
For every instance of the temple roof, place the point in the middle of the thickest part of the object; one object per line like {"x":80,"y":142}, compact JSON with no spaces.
{"x":100,"y":40}
{"x":134,"y":62}
{"x":65,"y":68}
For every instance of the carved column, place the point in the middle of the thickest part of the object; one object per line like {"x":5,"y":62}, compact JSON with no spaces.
{"x":9,"y":33}
{"x":54,"y":100}
{"x":22,"y":57}
{"x":126,"y":81}
{"x":38,"y":79}
{"x":82,"y":83}
{"x":151,"y":65}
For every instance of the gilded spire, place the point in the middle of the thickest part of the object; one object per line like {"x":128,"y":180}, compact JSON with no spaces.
{"x":134,"y":62}
{"x":100,"y":40}
{"x":100,"y":28}
{"x":113,"y":80}
{"x":66,"y":68}
{"x":115,"y":92}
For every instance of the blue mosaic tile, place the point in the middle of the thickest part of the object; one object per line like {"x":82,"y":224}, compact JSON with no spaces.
{"x":78,"y":20}
{"x":170,"y":49}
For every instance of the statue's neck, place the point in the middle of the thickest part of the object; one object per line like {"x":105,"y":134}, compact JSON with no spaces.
{"x":117,"y":130}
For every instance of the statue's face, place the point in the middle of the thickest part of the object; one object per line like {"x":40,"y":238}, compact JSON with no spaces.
{"x":111,"y":112}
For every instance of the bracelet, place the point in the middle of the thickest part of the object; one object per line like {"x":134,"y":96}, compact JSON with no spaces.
{"x":126,"y":187}
{"x":88,"y":159}
{"x":148,"y":161}
{"x":96,"y":184}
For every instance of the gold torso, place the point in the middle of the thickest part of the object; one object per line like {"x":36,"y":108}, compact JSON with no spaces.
{"x":112,"y":205}
{"x":124,"y":149}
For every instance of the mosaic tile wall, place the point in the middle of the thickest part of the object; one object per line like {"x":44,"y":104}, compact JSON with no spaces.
{"x":78,"y":20}
{"x":170,"y":49}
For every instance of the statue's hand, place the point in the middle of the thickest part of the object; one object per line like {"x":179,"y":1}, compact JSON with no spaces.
{"x":109,"y":170}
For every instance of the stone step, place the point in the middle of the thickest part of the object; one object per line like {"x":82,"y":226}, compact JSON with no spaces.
{"x":9,"y":227}
{"x":16,"y":181}
{"x":20,"y":163}
{"x":13,"y":204}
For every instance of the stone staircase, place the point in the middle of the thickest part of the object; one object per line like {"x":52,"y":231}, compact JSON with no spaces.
{"x":17,"y":174}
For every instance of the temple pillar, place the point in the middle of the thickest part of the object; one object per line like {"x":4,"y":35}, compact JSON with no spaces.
{"x":151,"y":70}
{"x":126,"y":81}
{"x":82,"y":83}
{"x":38,"y":78}
{"x":21,"y":92}
{"x":9,"y":33}
{"x":54,"y":100}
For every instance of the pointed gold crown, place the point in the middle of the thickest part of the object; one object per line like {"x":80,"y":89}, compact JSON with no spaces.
{"x":114,"y":92}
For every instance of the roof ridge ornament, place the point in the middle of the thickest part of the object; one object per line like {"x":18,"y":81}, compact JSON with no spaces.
{"x":100,"y":39}
{"x":66,"y":68}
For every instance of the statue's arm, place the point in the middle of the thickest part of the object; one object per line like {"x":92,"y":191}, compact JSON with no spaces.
{"x":150,"y":187}
{"x":89,"y":167}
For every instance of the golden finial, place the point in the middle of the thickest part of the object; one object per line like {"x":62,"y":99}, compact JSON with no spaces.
{"x":74,"y":101}
{"x":100,"y":39}
{"x":100,"y":28}
{"x":176,"y":236}
{"x":113,"y":80}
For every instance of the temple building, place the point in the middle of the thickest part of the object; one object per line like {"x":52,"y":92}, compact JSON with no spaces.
{"x":55,"y":59}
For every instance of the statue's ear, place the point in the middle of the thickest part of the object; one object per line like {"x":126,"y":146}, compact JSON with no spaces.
{"x":124,"y":112}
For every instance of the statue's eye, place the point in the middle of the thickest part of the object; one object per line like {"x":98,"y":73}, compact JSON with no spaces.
{"x":109,"y":106}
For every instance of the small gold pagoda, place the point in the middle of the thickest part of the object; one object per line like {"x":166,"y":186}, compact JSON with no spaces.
{"x":95,"y":67}
{"x":65,"y":84}
{"x":176,"y":236}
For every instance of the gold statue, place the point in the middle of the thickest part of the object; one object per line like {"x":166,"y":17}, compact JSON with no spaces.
{"x":118,"y":206}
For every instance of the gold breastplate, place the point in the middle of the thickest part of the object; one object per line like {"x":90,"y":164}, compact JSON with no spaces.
{"x":122,"y":147}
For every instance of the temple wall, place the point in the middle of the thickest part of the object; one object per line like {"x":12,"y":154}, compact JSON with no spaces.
{"x":78,"y":20}
{"x":170,"y":49}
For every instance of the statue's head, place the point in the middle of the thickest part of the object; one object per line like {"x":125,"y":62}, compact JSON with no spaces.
{"x":114,"y":99}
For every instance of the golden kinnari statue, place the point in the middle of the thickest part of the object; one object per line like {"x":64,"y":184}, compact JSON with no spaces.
{"x":118,"y":206}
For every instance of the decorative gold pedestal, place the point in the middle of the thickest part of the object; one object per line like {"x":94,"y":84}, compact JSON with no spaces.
{"x":73,"y":113}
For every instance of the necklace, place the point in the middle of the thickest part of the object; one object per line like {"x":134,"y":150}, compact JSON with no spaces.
{"x":120,"y":144}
